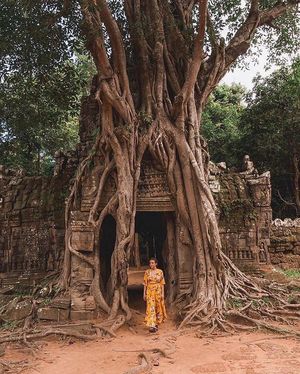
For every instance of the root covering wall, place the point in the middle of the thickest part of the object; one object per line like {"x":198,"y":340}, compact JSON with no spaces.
{"x":32,"y":211}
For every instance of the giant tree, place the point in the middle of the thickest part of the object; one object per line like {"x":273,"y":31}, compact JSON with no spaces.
{"x":157,"y":63}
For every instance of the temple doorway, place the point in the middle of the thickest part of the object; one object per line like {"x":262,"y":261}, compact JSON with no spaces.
{"x":153,"y":237}
{"x":107,"y":244}
{"x":150,"y":241}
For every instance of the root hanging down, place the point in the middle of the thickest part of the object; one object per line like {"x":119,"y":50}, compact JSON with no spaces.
{"x":246,"y":306}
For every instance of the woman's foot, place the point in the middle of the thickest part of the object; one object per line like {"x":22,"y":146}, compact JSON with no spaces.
{"x":153,"y":329}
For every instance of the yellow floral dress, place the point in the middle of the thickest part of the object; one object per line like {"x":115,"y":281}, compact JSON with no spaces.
{"x":155,"y":310}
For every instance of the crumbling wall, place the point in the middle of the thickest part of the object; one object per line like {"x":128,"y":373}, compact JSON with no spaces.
{"x":245,"y":215}
{"x":31,"y":223}
{"x":32,"y":226}
{"x":285,"y":243}
{"x":32,"y":208}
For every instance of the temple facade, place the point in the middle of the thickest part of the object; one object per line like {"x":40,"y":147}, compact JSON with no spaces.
{"x":32,"y":221}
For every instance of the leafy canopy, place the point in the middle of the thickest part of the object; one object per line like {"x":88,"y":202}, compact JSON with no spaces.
{"x":270,"y":130}
{"x":221,"y":121}
{"x":42,"y":78}
{"x":43,"y":74}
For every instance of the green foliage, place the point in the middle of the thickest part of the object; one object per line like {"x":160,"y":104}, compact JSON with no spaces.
{"x":39,"y":115}
{"x":235,"y":303}
{"x":10,"y":325}
{"x":292,"y":273}
{"x":270,"y":131}
{"x":264,"y":123}
{"x":221,"y":120}
{"x":33,"y":40}
{"x":43,"y":74}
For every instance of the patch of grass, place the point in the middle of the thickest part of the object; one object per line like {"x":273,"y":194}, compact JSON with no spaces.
{"x":10,"y":325}
{"x":235,"y":303}
{"x":292,"y":273}
{"x":266,"y":300}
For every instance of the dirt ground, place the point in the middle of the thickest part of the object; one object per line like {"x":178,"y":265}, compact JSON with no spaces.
{"x":244,"y":353}
{"x":241,"y":353}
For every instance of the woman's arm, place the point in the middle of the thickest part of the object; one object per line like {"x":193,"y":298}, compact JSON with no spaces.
{"x":162,"y":283}
{"x":145,"y":285}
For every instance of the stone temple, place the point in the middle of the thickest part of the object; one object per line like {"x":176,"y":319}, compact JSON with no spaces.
{"x":32,"y":224}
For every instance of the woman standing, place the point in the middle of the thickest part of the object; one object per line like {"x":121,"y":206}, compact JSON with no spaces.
{"x":154,"y":294}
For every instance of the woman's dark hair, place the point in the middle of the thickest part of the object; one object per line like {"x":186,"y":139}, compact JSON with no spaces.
{"x":153,"y":259}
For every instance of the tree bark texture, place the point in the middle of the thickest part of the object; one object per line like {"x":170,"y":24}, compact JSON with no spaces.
{"x":153,"y":81}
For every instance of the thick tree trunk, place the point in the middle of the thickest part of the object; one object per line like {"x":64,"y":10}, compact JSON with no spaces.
{"x":160,"y":110}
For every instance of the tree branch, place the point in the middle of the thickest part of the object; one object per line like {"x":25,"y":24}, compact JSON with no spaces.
{"x":254,"y":6}
{"x":119,"y":55}
{"x":134,"y":17}
{"x":197,"y":58}
{"x":240,"y":42}
{"x":278,"y":10}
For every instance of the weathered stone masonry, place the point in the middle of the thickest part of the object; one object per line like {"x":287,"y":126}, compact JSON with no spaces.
{"x":32,"y":208}
{"x":31,"y":224}
{"x":32,"y":227}
{"x":285,"y":243}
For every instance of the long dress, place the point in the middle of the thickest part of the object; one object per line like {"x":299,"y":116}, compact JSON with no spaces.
{"x":155,"y":310}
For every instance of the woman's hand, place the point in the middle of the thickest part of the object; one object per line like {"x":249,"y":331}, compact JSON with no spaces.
{"x":145,"y":298}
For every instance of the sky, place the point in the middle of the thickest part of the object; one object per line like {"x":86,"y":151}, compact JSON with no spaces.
{"x":245,"y":77}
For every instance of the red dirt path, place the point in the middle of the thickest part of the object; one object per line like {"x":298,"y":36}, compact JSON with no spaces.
{"x":245,"y":353}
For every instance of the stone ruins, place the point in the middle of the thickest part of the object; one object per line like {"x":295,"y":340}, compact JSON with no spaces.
{"x":32,"y":224}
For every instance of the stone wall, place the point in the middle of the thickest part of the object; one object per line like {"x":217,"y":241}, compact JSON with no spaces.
{"x":31,"y":223}
{"x":245,"y":215}
{"x":285,"y":243}
{"x":32,"y":226}
{"x":32,"y":208}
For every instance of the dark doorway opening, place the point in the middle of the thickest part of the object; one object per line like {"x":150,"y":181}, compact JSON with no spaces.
{"x":150,"y":241}
{"x":107,"y":244}
{"x":150,"y":228}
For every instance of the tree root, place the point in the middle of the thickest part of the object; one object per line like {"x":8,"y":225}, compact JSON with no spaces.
{"x":264,"y":325}
{"x":145,"y":365}
{"x":244,"y":300}
{"x":110,"y":326}
{"x":147,"y":361}
{"x":24,"y":337}
{"x":28,"y":322}
{"x":13,"y":367}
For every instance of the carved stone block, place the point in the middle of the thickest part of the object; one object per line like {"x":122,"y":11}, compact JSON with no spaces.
{"x":82,"y":240}
{"x":53,"y":314}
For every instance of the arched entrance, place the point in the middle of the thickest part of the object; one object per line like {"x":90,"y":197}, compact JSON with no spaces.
{"x":154,"y":231}
{"x":107,"y":244}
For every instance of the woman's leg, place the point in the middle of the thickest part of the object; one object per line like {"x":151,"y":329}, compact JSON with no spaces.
{"x":151,"y":310}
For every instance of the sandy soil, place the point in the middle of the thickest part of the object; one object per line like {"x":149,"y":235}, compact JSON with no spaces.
{"x":245,"y":353}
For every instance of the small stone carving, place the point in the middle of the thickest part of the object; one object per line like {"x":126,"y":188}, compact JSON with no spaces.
{"x":60,"y":160}
{"x":216,"y":169}
{"x":262,"y":253}
{"x":248,"y":166}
